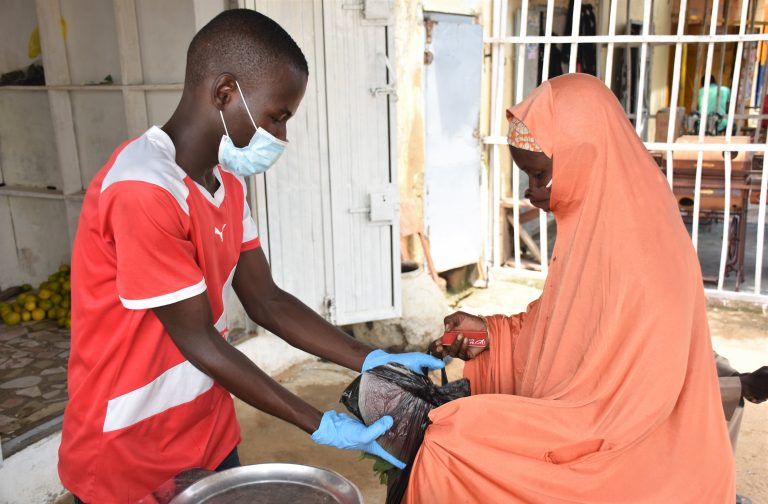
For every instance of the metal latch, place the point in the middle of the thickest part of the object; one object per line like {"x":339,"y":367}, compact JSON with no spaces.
{"x":382,"y":206}
{"x":387,"y":89}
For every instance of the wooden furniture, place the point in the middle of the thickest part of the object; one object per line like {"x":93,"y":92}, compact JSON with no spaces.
{"x":531,"y":253}
{"x":712,"y":194}
{"x":755,"y":178}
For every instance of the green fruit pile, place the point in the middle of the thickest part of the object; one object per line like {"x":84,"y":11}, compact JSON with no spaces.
{"x":51,"y":300}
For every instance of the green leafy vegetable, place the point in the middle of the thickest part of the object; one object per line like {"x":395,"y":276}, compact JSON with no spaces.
{"x":380,"y":466}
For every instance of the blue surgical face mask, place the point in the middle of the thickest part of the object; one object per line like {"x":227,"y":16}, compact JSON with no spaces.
{"x":261,"y":152}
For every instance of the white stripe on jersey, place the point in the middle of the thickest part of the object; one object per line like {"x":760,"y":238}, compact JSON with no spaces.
{"x":179,"y":385}
{"x":165,"y":299}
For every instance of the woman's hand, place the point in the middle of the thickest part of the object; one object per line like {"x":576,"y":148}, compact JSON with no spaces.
{"x":754,"y":385}
{"x":460,"y":321}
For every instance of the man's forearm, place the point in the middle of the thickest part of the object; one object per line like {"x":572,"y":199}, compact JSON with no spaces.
{"x":235,"y":372}
{"x":301,"y":327}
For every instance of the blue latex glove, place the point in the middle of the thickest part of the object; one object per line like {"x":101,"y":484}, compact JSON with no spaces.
{"x":414,"y":361}
{"x":343,"y":431}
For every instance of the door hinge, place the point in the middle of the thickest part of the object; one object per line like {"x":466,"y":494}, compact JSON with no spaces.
{"x":429,"y":56}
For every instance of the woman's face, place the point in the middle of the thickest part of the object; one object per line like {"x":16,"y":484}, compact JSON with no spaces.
{"x":538,"y":167}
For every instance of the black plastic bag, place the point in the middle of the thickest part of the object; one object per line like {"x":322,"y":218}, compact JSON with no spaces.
{"x":407,"y":397}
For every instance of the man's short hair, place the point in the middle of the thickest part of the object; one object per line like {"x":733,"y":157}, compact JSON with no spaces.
{"x":243,"y":42}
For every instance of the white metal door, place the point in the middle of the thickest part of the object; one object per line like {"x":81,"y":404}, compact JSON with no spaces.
{"x":452,"y":175}
{"x":364,"y":192}
{"x":327,"y":211}
{"x":293,"y":197}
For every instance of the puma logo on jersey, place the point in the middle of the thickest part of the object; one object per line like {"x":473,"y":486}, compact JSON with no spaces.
{"x":219,"y":233}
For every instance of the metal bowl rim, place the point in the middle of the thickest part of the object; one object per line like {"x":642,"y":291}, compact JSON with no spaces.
{"x":276,"y":472}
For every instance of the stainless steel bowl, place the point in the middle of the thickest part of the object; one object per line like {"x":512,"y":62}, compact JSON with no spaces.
{"x":279,"y":483}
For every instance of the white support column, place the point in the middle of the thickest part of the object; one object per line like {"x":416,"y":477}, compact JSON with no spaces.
{"x":728,"y":134}
{"x":519,"y":77}
{"x":576,"y":21}
{"x":611,"y":34}
{"x":134,"y":100}
{"x":57,"y":73}
{"x":548,"y":45}
{"x":497,"y":97}
{"x":703,"y":125}
{"x":681,"y":17}
{"x":543,"y":217}
{"x":639,"y":116}
{"x":761,"y":225}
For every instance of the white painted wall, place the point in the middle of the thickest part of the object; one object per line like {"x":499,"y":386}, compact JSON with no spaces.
{"x":160,"y":106}
{"x":31,"y":476}
{"x":165,"y":30}
{"x":100,"y":127}
{"x":27,"y":151}
{"x":91,"y":42}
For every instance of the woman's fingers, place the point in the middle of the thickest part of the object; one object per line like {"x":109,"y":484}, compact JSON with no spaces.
{"x":453,"y":321}
{"x":462,"y":321}
{"x":436,"y":348}
{"x":463,"y":353}
{"x":454,"y":350}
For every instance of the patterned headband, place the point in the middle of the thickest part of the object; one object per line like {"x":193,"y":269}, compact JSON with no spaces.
{"x":520,"y":137}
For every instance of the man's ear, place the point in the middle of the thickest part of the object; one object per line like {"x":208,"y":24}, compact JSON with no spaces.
{"x":223,"y":90}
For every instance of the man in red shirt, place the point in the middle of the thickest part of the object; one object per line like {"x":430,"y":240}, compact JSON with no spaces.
{"x":165,"y":232}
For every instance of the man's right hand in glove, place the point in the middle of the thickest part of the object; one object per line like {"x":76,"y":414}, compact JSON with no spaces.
{"x":342,"y":431}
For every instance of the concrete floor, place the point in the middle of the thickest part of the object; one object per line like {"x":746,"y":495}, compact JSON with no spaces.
{"x":742,"y":336}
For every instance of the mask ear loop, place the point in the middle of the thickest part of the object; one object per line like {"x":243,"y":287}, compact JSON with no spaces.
{"x":246,"y":105}
{"x":224,"y":123}
{"x":549,"y":184}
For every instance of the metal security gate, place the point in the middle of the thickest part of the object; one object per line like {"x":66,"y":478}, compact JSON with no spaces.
{"x":500,"y":40}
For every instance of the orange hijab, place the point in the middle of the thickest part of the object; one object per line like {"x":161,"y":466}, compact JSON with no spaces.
{"x":605,"y":390}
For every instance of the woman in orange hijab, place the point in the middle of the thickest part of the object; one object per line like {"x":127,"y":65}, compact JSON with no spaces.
{"x":603,"y":391}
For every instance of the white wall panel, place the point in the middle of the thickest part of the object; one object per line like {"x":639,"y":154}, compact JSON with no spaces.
{"x":27,"y":148}
{"x":41,"y":235}
{"x":91,"y":41}
{"x":165,"y":31}
{"x":99,"y":119}
{"x":9,"y":264}
{"x":160,"y":106}
{"x":17,"y":20}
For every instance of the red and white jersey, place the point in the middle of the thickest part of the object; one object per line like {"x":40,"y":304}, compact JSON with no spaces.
{"x":149,"y":236}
